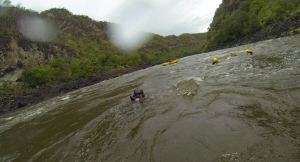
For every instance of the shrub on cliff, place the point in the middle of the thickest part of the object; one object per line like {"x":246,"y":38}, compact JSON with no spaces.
{"x":36,"y":76}
{"x":58,"y":63}
{"x":60,"y":69}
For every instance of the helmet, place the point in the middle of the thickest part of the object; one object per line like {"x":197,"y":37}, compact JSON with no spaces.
{"x":215,"y":59}
{"x":138,"y":91}
{"x":232,"y":53}
{"x":248,"y":50}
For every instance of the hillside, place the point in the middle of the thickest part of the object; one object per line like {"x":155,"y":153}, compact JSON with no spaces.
{"x":78,"y":37}
{"x":238,"y":22}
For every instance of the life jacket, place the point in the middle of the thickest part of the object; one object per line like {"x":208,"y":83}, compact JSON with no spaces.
{"x":133,"y":97}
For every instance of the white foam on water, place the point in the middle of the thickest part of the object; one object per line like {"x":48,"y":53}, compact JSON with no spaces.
{"x":9,"y":118}
{"x":198,"y":80}
{"x":231,"y":157}
{"x":21,"y":117}
{"x":187,"y":86}
{"x":65,"y":98}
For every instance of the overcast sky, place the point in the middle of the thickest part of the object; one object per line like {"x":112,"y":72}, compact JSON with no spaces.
{"x":163,"y":17}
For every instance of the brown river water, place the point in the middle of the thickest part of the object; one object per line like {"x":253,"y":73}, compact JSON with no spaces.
{"x":246,"y":108}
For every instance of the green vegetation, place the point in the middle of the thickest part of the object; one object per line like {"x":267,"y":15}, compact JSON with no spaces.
{"x":89,"y":50}
{"x":237,"y":18}
{"x":11,"y":90}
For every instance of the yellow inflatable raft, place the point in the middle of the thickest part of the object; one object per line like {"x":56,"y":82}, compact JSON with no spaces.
{"x":170,"y":62}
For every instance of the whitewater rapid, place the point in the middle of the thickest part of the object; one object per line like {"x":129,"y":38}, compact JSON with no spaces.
{"x":246,"y":108}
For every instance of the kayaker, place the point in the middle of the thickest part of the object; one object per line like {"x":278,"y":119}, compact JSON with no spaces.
{"x":232,"y":54}
{"x":215,"y":61}
{"x":138,"y":95}
{"x":249,"y":52}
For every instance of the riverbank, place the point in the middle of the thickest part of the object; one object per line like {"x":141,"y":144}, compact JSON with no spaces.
{"x":10,"y":102}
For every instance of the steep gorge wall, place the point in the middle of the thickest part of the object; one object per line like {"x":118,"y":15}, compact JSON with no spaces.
{"x":77,"y":35}
{"x":17,"y":53}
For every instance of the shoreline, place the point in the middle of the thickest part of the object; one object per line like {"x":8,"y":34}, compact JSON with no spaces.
{"x":22,"y":99}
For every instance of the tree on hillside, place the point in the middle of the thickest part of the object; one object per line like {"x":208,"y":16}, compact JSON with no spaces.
{"x":6,"y":3}
{"x":256,"y":6}
{"x":252,"y":25}
{"x":245,"y":5}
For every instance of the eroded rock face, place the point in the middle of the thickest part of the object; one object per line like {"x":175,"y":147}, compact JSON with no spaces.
{"x":12,"y":76}
{"x":17,"y":54}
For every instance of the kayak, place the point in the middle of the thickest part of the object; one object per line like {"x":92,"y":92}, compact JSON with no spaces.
{"x":171,"y":62}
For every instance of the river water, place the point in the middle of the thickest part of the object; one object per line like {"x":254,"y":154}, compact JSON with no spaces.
{"x":245,"y":108}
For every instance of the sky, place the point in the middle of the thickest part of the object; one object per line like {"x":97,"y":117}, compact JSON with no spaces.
{"x":163,"y":17}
